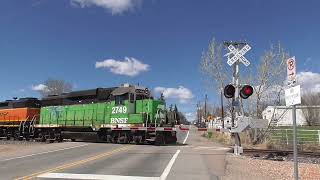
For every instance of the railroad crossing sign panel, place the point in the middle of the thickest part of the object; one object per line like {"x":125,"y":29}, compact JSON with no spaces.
{"x":293,"y":96}
{"x":291,"y":71}
{"x":238,"y":55}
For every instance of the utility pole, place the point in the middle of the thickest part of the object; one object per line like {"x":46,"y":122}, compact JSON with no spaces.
{"x":205,"y":108}
{"x":198,"y":114}
{"x":222,"y":109}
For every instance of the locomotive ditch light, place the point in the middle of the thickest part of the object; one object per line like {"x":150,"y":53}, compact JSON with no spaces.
{"x":229,"y":91}
{"x":246,"y":91}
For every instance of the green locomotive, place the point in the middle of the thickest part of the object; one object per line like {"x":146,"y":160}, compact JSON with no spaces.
{"x":122,"y":114}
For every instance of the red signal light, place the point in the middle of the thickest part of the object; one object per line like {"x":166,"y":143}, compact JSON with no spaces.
{"x":229,"y":91}
{"x":246,"y":91}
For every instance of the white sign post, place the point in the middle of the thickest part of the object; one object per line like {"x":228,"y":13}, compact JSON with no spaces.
{"x":293,"y":97}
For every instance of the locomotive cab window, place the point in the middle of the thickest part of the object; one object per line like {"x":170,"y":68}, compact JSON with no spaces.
{"x":4,"y":104}
{"x":120,"y":99}
{"x":131,"y":97}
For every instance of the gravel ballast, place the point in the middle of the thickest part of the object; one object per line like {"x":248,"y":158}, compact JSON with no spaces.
{"x":246,"y":168}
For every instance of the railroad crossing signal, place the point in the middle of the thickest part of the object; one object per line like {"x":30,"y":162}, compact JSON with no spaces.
{"x":238,"y":55}
{"x":245,"y":92}
{"x":234,"y":56}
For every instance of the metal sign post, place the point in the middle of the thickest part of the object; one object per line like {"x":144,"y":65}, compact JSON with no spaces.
{"x":295,"y":150}
{"x":293,"y":97}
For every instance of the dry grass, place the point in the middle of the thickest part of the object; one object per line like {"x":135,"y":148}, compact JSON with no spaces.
{"x":226,"y":139}
{"x":220,"y":137}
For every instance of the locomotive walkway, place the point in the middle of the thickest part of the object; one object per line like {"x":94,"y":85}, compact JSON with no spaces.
{"x":196,"y":159}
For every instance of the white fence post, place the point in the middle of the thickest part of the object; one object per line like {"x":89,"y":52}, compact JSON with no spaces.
{"x":287,"y":136}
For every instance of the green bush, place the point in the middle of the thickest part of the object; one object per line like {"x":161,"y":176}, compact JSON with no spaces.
{"x":209,"y":135}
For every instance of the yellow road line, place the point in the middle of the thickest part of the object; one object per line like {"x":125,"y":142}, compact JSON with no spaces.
{"x":77,"y":163}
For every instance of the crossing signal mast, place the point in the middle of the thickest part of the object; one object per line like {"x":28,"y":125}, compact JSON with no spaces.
{"x":235,"y":90}
{"x":238,"y":92}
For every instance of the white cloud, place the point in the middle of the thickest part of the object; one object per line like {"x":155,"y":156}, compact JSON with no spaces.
{"x":190,"y":116}
{"x":128,"y":67}
{"x":115,"y":6}
{"x":39,"y":87}
{"x":181,"y":93}
{"x":309,"y":81}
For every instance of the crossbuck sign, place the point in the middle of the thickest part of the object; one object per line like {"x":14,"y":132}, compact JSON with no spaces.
{"x":238,"y":55}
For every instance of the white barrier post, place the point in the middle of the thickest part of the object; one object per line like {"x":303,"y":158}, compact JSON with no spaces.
{"x":287,"y":136}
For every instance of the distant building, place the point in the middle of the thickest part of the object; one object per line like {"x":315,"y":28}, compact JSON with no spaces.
{"x":283,"y":117}
{"x":216,"y":123}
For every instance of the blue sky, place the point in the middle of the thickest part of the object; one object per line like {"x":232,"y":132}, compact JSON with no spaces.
{"x":63,"y":39}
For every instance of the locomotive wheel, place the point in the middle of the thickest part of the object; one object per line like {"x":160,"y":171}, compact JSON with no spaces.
{"x":27,"y":138}
{"x":7,"y":134}
{"x":137,"y":140}
{"x":59,"y":138}
{"x":109,"y":138}
{"x":42,"y":137}
{"x":160,"y":139}
{"x":125,"y":139}
{"x":16,"y":135}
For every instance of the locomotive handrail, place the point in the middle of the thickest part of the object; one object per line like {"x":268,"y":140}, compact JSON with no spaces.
{"x":31,"y":125}
{"x":83,"y":117}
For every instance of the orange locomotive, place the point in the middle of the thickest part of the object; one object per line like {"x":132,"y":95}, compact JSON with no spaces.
{"x":18,"y":116}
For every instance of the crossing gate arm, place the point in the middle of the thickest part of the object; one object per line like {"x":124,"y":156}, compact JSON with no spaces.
{"x":143,"y":129}
{"x":181,"y":128}
{"x":244,"y":123}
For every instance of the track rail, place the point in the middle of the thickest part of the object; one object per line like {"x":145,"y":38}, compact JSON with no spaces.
{"x":268,"y":151}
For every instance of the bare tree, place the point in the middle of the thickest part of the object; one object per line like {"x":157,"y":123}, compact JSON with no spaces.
{"x":270,"y":76}
{"x":55,"y":87}
{"x":312,"y":115}
{"x":213,"y":65}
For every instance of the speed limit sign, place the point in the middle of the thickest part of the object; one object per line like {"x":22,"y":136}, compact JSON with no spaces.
{"x":291,"y":70}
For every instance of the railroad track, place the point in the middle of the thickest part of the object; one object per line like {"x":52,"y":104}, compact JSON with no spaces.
{"x":279,"y":152}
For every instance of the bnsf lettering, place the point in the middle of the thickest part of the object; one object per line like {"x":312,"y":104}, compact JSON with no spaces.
{"x":3,"y":113}
{"x":119,"y":120}
{"x":119,"y":110}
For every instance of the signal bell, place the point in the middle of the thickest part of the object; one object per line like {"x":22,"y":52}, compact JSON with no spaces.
{"x":229,"y":91}
{"x":246,"y":91}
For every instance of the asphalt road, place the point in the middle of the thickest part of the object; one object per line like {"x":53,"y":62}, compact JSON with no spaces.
{"x":196,"y":159}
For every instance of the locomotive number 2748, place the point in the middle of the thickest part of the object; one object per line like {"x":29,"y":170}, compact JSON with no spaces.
{"x":119,"y":109}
